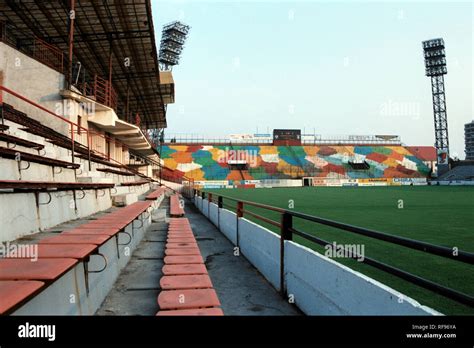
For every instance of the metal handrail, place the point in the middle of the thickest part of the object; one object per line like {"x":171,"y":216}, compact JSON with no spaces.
{"x":74,"y":127}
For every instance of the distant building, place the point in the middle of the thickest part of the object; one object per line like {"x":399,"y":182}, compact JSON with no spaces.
{"x":469,"y":140}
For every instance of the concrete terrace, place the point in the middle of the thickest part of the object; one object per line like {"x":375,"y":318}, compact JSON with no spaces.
{"x":241,"y":289}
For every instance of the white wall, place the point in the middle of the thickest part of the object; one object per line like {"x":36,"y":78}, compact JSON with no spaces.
{"x":20,"y":215}
{"x":214,"y":214}
{"x":205,"y":207}
{"x":228,"y":223}
{"x":319,"y":285}
{"x":322,"y":286}
{"x":33,"y":80}
{"x":262,"y":248}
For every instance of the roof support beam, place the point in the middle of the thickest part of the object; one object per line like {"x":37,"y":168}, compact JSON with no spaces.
{"x":110,"y":68}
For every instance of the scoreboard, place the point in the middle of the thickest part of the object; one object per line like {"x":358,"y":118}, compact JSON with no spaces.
{"x":287,"y":136}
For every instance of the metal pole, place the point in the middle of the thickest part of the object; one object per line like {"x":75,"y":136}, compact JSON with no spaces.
{"x":72,"y":16}
{"x":1,"y":100}
{"x":72,"y":142}
{"x":240,"y":213}
{"x":127,"y":116}
{"x":89,"y":144}
{"x":219,"y":207}
{"x":109,"y":87}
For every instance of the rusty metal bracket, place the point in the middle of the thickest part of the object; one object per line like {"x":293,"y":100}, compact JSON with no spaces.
{"x":83,"y":194}
{"x":130,"y":238}
{"x":133,"y":227}
{"x":50,"y":198}
{"x":105,"y":263}
{"x":20,"y":169}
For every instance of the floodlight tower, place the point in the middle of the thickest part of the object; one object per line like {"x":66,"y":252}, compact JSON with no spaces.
{"x":172,"y":42}
{"x":435,"y":67}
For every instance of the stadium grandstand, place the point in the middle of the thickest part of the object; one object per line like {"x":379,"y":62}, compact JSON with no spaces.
{"x":211,"y":162}
{"x":82,"y":99}
{"x":96,"y":205}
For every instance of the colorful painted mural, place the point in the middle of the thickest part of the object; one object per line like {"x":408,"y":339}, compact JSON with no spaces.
{"x":205,"y":162}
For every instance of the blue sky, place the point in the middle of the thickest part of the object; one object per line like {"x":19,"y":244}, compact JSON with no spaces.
{"x":339,"y":68}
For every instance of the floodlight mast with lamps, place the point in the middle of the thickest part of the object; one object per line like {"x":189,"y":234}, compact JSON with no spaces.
{"x":435,"y":67}
{"x":173,"y":37}
{"x":172,"y":42}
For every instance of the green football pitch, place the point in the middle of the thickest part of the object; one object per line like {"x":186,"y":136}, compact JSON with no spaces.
{"x":441,"y":215}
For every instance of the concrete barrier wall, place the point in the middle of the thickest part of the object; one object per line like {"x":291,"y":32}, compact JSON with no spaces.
{"x":262,"y":248}
{"x":63,"y":297}
{"x":68,"y":295}
{"x":228,"y":225}
{"x":199,"y":204}
{"x":205,"y":207}
{"x":35,"y":171}
{"x":22,"y":216}
{"x":214,"y":214}
{"x":18,"y":217}
{"x":319,"y":285}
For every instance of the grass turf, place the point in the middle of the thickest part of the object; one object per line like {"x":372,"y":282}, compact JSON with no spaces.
{"x":442,"y":215}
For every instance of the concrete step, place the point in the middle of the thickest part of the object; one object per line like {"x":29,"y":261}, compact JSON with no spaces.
{"x":122,"y":200}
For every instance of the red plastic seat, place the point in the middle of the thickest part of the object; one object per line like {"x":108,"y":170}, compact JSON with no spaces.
{"x":180,"y":232}
{"x":41,"y":269}
{"x":191,"y":312}
{"x":182,"y":251}
{"x":178,"y":245}
{"x":184,"y":269}
{"x":156,"y":194}
{"x":106,"y":224}
{"x":14,"y":292}
{"x":193,"y":281}
{"x":179,"y":228}
{"x":175,"y":206}
{"x":181,"y":240}
{"x":97,"y":239}
{"x":54,"y":251}
{"x":180,"y":235}
{"x":188,"y":299}
{"x":176,"y":260}
{"x":104,"y":231}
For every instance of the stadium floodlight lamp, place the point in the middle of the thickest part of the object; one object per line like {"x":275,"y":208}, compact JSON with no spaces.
{"x":435,"y":57}
{"x":172,"y":42}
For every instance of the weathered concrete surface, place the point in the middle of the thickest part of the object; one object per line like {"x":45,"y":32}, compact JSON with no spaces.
{"x":136,"y":290}
{"x":242,"y":290}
